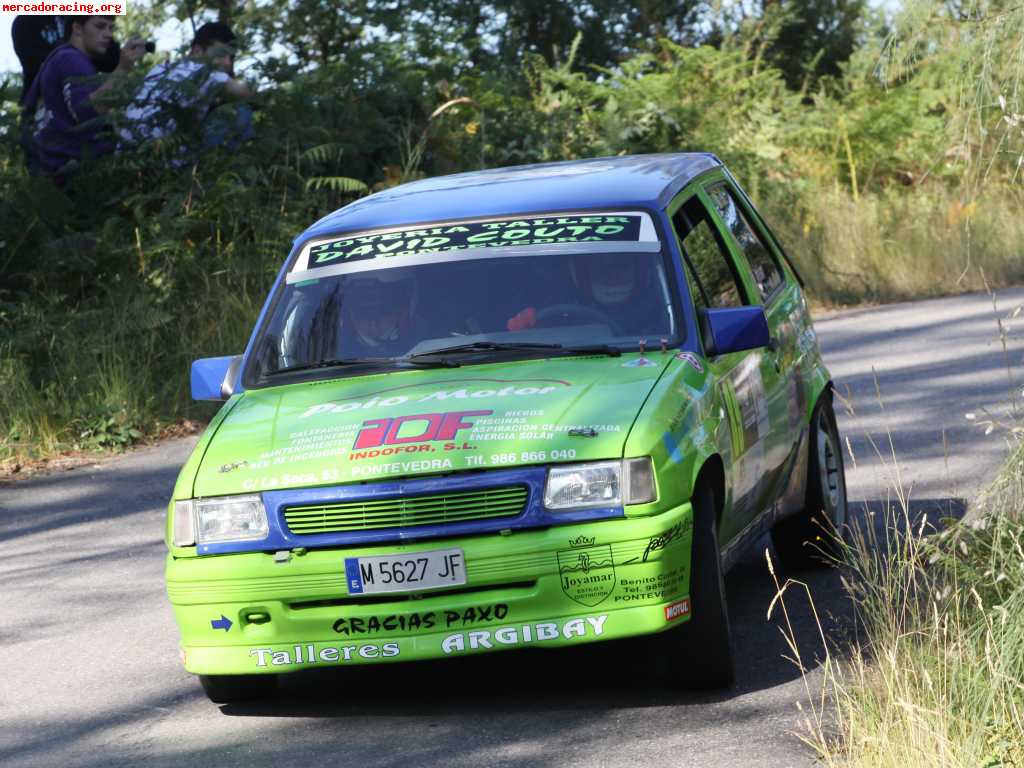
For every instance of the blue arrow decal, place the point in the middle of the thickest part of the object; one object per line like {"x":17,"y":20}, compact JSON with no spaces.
{"x":222,"y":623}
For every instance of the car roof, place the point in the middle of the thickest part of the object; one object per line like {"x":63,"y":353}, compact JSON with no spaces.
{"x":632,"y":181}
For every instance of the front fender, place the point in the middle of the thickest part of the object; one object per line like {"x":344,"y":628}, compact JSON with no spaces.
{"x":812,"y":374}
{"x":680,"y":427}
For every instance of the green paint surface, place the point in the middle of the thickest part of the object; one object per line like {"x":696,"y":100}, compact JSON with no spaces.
{"x":530,"y":591}
{"x":426,"y":422}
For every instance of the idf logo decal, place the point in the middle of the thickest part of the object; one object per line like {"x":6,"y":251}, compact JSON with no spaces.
{"x":418,"y":428}
{"x":587,"y":574}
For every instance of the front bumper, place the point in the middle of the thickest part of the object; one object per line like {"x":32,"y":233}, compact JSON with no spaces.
{"x":585,"y":582}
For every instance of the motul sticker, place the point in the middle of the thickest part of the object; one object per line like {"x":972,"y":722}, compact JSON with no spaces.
{"x":677,"y":609}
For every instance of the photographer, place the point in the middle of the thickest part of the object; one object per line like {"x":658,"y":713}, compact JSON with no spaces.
{"x":181,"y":95}
{"x":66,"y":98}
{"x":35,"y":36}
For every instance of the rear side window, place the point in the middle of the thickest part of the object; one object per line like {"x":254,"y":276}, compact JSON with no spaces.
{"x":763,"y":266}
{"x":709,"y":267}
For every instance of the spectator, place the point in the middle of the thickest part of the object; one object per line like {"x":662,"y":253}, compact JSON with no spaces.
{"x":35,"y":36}
{"x":182,"y":94}
{"x":66,"y":97}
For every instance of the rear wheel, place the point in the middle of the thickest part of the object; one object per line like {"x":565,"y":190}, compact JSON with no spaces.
{"x":815,"y":535}
{"x":226,"y":689}
{"x":699,"y":653}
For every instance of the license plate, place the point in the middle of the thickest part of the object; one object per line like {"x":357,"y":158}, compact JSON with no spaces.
{"x":405,"y":573}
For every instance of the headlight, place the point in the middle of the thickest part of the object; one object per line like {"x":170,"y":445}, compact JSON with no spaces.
{"x":225,"y":518}
{"x":600,"y":484}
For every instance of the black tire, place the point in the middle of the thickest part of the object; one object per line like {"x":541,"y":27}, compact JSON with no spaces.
{"x":226,"y":689}
{"x":698,"y":654}
{"x":814,"y":537}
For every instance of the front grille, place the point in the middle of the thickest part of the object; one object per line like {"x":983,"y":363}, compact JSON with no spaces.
{"x":403,"y":512}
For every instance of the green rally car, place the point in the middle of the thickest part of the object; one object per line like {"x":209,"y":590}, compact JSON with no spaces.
{"x":525,"y":407}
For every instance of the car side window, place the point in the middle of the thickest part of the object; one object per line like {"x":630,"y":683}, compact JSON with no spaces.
{"x":707,"y":259}
{"x":766,"y":271}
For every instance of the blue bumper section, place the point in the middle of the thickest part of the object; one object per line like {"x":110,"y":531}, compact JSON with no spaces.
{"x":534,"y":515}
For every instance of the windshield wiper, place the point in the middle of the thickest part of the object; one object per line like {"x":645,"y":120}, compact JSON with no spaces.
{"x":518,"y":346}
{"x":593,"y":349}
{"x":342,"y":362}
{"x":486,"y":346}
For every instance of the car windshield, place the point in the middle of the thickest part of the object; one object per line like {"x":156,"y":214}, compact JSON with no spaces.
{"x":490,"y":303}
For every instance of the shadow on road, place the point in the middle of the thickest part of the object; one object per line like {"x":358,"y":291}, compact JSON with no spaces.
{"x":138,"y":483}
{"x":603,"y":676}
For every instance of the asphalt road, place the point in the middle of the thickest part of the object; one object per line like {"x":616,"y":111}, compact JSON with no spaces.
{"x":89,"y":669}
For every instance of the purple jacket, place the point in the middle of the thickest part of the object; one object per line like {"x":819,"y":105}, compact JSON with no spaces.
{"x":60,"y":99}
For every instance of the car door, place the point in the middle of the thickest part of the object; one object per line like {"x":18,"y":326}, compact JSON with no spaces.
{"x":770,"y":286}
{"x":715,"y":281}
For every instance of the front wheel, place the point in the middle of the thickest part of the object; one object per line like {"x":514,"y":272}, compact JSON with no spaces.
{"x":814,"y":536}
{"x":699,"y":653}
{"x":226,"y":689}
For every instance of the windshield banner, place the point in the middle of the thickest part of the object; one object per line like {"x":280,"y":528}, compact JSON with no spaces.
{"x":543,"y":230}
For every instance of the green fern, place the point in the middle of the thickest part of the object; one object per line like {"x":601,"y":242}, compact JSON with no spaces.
{"x":341,"y":184}
{"x":324,"y":153}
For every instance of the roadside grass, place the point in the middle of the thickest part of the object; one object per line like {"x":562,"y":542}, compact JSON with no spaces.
{"x":899,"y":244}
{"x":935,"y":676}
{"x":119,"y":372}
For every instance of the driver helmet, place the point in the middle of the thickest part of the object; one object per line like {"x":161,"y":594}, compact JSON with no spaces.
{"x":378,"y":306}
{"x":608,"y":279}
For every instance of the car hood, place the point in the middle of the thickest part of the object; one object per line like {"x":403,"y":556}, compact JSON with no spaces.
{"x":421,"y":422}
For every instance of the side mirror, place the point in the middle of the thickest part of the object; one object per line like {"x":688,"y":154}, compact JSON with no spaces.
{"x":734,"y":329}
{"x":213,"y":378}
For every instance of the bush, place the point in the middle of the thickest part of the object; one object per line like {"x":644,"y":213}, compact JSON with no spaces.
{"x":147,"y":260}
